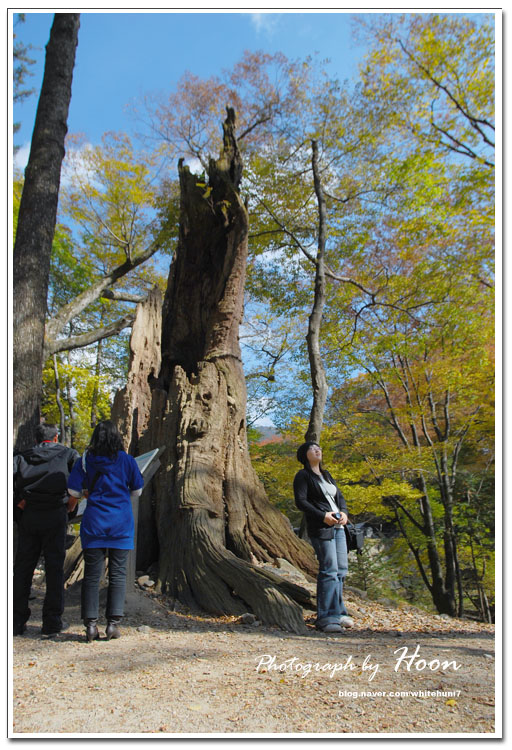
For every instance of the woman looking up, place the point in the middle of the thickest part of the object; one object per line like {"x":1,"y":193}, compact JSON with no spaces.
{"x":318,"y":496}
{"x":111,"y":479}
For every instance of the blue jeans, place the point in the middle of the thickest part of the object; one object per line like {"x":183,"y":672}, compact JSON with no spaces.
{"x":94,"y":565}
{"x":333,"y":568}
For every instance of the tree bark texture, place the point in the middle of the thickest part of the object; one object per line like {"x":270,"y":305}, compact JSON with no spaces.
{"x":74,"y":556}
{"x":132,"y":409}
{"x":132,"y":404}
{"x":36,"y":226}
{"x":215,"y":523}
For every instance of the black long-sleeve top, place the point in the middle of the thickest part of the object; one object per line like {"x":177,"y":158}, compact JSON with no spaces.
{"x":310,"y":498}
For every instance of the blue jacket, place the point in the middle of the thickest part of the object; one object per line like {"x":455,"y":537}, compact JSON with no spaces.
{"x":108,"y":517}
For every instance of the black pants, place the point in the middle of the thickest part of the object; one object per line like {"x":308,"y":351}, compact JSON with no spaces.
{"x":41,"y":531}
{"x":94,"y":566}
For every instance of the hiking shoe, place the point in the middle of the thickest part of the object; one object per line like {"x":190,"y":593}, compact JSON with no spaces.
{"x":346,"y":621}
{"x":19,"y":629}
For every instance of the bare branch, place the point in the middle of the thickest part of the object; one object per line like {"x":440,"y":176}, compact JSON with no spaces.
{"x":409,"y":515}
{"x":122,"y":296}
{"x":288,"y":232}
{"x":255,"y":124}
{"x":463,"y":149}
{"x":414,"y":551}
{"x":85,"y":339}
{"x":475,"y":122}
{"x":55,"y":325}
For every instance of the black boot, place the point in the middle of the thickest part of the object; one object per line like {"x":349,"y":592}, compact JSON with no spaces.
{"x":112,"y":630}
{"x":91,"y":630}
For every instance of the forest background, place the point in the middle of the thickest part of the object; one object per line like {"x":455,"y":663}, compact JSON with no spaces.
{"x":403,"y":234}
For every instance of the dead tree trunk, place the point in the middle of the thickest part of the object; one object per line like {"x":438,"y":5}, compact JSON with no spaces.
{"x":132,"y":404}
{"x":131,"y":412}
{"x":214,"y":521}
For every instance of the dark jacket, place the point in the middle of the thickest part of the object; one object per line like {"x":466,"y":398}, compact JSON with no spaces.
{"x":311,"y":500}
{"x":41,"y":475}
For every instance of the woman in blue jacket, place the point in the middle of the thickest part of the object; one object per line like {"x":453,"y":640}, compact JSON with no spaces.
{"x":111,"y":479}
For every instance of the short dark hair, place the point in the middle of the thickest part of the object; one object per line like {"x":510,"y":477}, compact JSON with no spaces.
{"x":46,"y":432}
{"x":302,"y":452}
{"x":105,"y":440}
{"x":303,"y":459}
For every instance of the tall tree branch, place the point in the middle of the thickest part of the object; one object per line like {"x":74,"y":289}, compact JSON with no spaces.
{"x":463,"y":149}
{"x":474,"y":121}
{"x":55,"y":325}
{"x":90,"y":337}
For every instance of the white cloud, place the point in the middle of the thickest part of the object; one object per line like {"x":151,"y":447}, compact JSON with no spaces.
{"x":194,"y":165}
{"x":75,"y":166}
{"x":72,"y":163}
{"x":265,"y":23}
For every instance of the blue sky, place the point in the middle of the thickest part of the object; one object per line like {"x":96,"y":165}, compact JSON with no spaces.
{"x":122,"y":56}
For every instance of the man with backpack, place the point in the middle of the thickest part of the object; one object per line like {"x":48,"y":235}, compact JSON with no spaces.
{"x":40,"y":491}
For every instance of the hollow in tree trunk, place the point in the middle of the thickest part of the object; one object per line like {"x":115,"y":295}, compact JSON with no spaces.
{"x":215,"y":523}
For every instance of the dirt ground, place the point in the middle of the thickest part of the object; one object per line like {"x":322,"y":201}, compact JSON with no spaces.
{"x":177,"y":673}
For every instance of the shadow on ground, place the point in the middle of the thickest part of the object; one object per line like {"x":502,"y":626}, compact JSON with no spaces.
{"x":147,"y":613}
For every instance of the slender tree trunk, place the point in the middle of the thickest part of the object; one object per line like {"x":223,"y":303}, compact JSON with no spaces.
{"x":215,"y":524}
{"x":36,"y":226}
{"x":63,"y":431}
{"x":483,"y":601}
{"x":442,"y":593}
{"x":453,"y":573}
{"x":316,"y":365}
{"x":318,"y":378}
{"x":96,"y":391}
{"x":94,"y":400}
{"x":441,"y":584}
{"x":72,"y":415}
